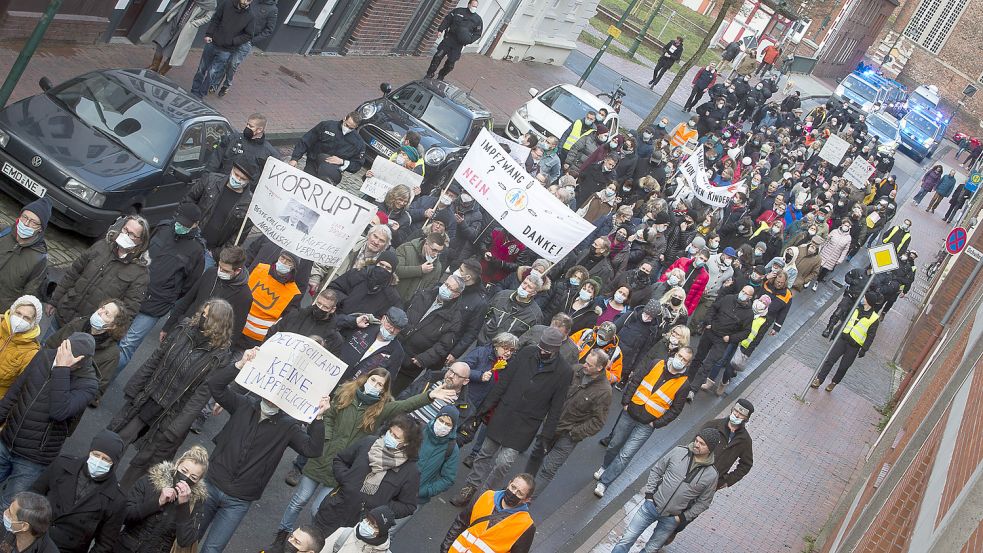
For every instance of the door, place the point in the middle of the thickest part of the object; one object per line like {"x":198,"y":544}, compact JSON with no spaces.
{"x":417,"y":27}
{"x":338,"y":27}
{"x":129,"y":17}
{"x":188,"y":161}
{"x":491,"y":12}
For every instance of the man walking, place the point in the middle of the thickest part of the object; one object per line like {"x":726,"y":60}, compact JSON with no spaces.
{"x":497,"y":522}
{"x":703,"y":80}
{"x":230,"y":27}
{"x":462,"y":26}
{"x":854,"y":341}
{"x":670,"y":55}
{"x":266,"y":15}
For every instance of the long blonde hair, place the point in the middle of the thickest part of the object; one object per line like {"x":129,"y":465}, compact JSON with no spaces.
{"x":346,"y":395}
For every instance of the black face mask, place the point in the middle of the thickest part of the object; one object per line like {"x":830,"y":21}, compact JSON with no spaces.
{"x":510,"y":499}
{"x":543,"y":356}
{"x":675,"y":302}
{"x":377,"y":278}
{"x":289,"y":548}
{"x":247,"y":133}
{"x":319,"y":314}
{"x":177,"y":476}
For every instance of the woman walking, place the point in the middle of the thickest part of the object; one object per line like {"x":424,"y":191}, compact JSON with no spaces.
{"x":174,"y":33}
{"x":929,"y":182}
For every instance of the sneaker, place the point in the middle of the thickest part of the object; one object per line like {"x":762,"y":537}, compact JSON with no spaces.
{"x":816,"y":383}
{"x":293,"y":477}
{"x":605,"y":441}
{"x":831,"y":386}
{"x":815,"y":286}
{"x":598,"y":473}
{"x":223,"y":91}
{"x":708,"y":385}
{"x":599,"y":489}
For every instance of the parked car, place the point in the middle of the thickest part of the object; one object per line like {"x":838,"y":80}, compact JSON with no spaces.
{"x":552,"y":111}
{"x":106,"y":143}
{"x":448,"y":119}
{"x":973,"y":141}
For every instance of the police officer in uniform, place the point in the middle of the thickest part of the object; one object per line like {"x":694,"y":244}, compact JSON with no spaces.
{"x":854,"y":341}
{"x":249,"y":146}
{"x":856,"y":281}
{"x":461,"y":27}
{"x":331,"y":147}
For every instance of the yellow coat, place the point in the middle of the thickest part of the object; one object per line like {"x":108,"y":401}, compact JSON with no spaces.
{"x":15,"y":352}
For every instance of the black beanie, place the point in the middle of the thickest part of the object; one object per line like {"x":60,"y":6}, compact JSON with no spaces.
{"x":110,"y":443}
{"x":42,"y":208}
{"x":83,"y":344}
{"x":389,"y":256}
{"x":712,"y":437}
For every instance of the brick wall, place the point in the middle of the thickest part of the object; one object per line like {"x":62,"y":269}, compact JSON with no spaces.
{"x":383,"y":22}
{"x":17,"y":25}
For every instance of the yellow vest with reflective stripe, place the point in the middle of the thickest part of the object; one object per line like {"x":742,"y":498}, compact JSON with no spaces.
{"x":857,"y":327}
{"x":657,"y":401}
{"x":894,"y":230}
{"x":270,"y":298}
{"x":755,"y":327}
{"x":479,"y":538}
{"x":575,"y":133}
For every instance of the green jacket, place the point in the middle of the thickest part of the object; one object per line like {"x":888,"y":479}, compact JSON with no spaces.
{"x":411,"y":276}
{"x":341,"y":429}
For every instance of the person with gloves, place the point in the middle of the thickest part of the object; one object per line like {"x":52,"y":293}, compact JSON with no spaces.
{"x":460,"y":27}
{"x":24,"y":253}
{"x":856,"y":338}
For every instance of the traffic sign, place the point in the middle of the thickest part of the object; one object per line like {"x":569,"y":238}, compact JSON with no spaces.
{"x":974,"y":253}
{"x":883,"y":258}
{"x":614,"y":31}
{"x":956,"y":241}
{"x":974,"y":181}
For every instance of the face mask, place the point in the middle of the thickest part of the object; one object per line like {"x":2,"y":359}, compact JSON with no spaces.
{"x":574,"y":282}
{"x":735,"y":420}
{"x":268,"y":409}
{"x":366,"y":530}
{"x":584,"y":295}
{"x":390,"y":441}
{"x":776,"y":230}
{"x":466,"y":198}
{"x":510,"y":499}
{"x":673,"y":341}
{"x":742,"y":297}
{"x":282,"y":268}
{"x":698,"y":263}
{"x":646,"y":136}
{"x":319,"y":314}
{"x":345,"y":130}
{"x":385,"y":334}
{"x":675,"y":302}
{"x":19,"y":324}
{"x":619,"y":297}
{"x":845,"y":228}
{"x":178,"y":476}
{"x":235,"y":183}
{"x":602,"y":138}
{"x":124,"y":241}
{"x":759,"y":253}
{"x":444,"y":292}
{"x":24,"y":231}
{"x":222,"y":275}
{"x":522,"y":293}
{"x":441,"y":429}
{"x":673,"y":280}
{"x":8,"y":524}
{"x":97,"y":467}
{"x":646,"y":317}
{"x":180,"y":229}
{"x":372,"y":390}
{"x":728,"y":262}
{"x":677,"y":364}
{"x":812,"y":232}
{"x":473,"y":10}
{"x":661,"y":228}
{"x":96,"y":322}
{"x":444,"y":199}
{"x":904,"y":258}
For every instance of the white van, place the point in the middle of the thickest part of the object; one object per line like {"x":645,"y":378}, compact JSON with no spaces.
{"x":552,"y":111}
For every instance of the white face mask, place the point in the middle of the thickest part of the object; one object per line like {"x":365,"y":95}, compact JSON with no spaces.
{"x":473,"y":10}
{"x":444,"y":199}
{"x":268,"y":409}
{"x":19,"y":324}
{"x":222,"y":275}
{"x":441,"y":429}
{"x":124,"y":241}
{"x":345,"y":129}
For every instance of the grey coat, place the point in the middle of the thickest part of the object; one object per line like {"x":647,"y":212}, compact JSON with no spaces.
{"x":672,"y":494}
{"x":162,"y":33}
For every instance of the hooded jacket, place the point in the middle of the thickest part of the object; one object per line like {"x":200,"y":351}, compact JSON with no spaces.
{"x":151,"y":528}
{"x":99,"y":273}
{"x":697,"y":284}
{"x":506,"y":314}
{"x":362,"y":294}
{"x":586,"y":407}
{"x":178,"y":263}
{"x":680,"y":486}
{"x":806,"y":266}
{"x":17,"y":350}
{"x":438,"y":458}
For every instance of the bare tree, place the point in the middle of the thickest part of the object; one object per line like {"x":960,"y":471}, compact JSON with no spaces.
{"x":654,"y":114}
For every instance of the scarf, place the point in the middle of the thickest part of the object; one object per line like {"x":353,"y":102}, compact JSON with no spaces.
{"x":381,"y":459}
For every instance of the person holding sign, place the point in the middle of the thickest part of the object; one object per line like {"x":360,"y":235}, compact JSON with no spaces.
{"x":331,"y":147}
{"x":372,"y":344}
{"x":165,"y":395}
{"x":247,"y":451}
{"x":364,"y":253}
{"x":223,"y":199}
{"x":434,"y":322}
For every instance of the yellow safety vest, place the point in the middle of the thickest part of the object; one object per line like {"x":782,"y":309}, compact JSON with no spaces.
{"x":904,"y":239}
{"x":857,"y":327}
{"x":657,"y":402}
{"x":755,"y":327}
{"x":576,"y":133}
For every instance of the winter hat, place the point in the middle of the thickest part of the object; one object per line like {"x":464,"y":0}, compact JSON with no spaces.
{"x":760,"y":305}
{"x":451,"y":411}
{"x":761,"y":244}
{"x":42,"y":208}
{"x":397,"y":317}
{"x":699,"y":242}
{"x":384,"y":518}
{"x":110,"y":443}
{"x":601,"y":128}
{"x":33,"y":302}
{"x":818,"y":240}
{"x":542,"y":264}
{"x":744,"y":407}
{"x":552,"y":339}
{"x":662,"y":218}
{"x":444,"y":216}
{"x":874,"y":298}
{"x":652,"y":308}
{"x":712,"y":437}
{"x":389,"y":256}
{"x":188,"y":214}
{"x":83,"y":344}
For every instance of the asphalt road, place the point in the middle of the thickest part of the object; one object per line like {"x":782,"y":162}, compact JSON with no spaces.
{"x":567,"y":510}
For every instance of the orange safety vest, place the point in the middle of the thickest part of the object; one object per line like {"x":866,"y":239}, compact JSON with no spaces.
{"x":657,"y":402}
{"x":270,"y":298}
{"x":479,"y":538}
{"x":586,"y":340}
{"x":682,"y":134}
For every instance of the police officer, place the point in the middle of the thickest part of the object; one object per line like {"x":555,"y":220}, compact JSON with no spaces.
{"x":462,"y":26}
{"x":331,"y":147}
{"x":856,"y":281}
{"x":249,"y":146}
{"x":854,"y":341}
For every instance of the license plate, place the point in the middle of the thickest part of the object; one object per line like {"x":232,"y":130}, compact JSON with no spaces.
{"x":380,"y":147}
{"x":27,"y":182}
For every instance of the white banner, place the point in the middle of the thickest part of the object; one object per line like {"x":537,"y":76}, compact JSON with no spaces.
{"x":526,"y":209}
{"x":293,"y":372}
{"x":307,"y":216}
{"x":859,"y":172}
{"x":385,"y":175}
{"x":695,"y":176}
{"x":834,"y":149}
{"x":518,"y":152}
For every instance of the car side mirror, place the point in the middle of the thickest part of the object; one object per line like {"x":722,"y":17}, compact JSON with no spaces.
{"x":45,"y":83}
{"x":386,"y":88}
{"x":533,"y":92}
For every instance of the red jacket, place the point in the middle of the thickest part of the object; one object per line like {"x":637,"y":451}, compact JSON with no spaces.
{"x":699,"y":283}
{"x":771,"y":53}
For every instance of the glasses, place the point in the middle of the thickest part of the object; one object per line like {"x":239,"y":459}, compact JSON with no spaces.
{"x":30,"y":221}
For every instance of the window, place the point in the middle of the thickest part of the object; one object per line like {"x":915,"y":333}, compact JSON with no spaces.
{"x":434,"y":111}
{"x":566,"y":104}
{"x":189,"y":153}
{"x":933,"y":21}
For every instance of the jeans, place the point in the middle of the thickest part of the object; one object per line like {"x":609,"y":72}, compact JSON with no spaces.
{"x":306,"y":489}
{"x":220,"y":519}
{"x":644,"y":517}
{"x":558,"y":455}
{"x":921,"y":194}
{"x":210,"y":69}
{"x":491,"y":466}
{"x":16,"y":474}
{"x":141,"y":326}
{"x":628,"y":437}
{"x":237,"y":58}
{"x":724,"y":362}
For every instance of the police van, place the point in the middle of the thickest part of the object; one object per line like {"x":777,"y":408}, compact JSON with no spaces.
{"x":865,"y":88}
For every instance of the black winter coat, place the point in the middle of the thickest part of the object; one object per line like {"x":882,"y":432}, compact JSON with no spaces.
{"x":461,"y":27}
{"x":235,"y":147}
{"x":430,"y":340}
{"x":727,"y":318}
{"x":303,"y":322}
{"x":95,"y":519}
{"x":635,"y":338}
{"x":99,"y":274}
{"x":326,"y":140}
{"x":266,"y":13}
{"x":23,"y":267}
{"x":389,"y":356}
{"x":346,"y":505}
{"x":178,"y":262}
{"x":231,"y":27}
{"x":151,"y":528}
{"x":207,"y":193}
{"x":235,"y":291}
{"x":42,"y":405}
{"x":734,"y":449}
{"x":359,"y":299}
{"x":530,"y":394}
{"x":472,"y":306}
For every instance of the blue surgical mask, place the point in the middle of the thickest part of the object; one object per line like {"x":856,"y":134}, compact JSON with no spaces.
{"x":735,"y":420}
{"x":385,"y":334}
{"x":8,"y":524}
{"x":95,"y":320}
{"x":742,"y":296}
{"x":97,"y":467}
{"x":366,"y":530}
{"x":574,"y":282}
{"x":236,"y":184}
{"x":371,"y":390}
{"x":390,"y":441}
{"x":619,"y":297}
{"x":601,"y":342}
{"x":24,"y":231}
{"x":444,"y":292}
{"x":282,"y":268}
{"x":677,"y":364}
{"x":585,"y":295}
{"x":522,"y":293}
{"x":673,"y":280}
{"x":180,"y":229}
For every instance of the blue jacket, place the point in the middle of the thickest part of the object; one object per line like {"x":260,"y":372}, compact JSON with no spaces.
{"x":480,"y":359}
{"x":438,"y":458}
{"x":946,"y":186}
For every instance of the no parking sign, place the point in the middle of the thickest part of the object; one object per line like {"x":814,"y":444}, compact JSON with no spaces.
{"x":956,"y":241}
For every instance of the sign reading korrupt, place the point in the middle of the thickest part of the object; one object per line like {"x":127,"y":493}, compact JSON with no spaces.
{"x":307,"y":216}
{"x":293,"y":372}
{"x":527,"y":210}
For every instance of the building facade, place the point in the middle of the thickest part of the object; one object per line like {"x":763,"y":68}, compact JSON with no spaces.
{"x":851,"y":33}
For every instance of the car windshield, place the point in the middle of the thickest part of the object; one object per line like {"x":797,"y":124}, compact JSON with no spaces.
{"x":883,"y":126}
{"x":859,"y":87}
{"x":566,"y":104}
{"x":923,"y":124}
{"x":917,"y":101}
{"x":436,"y":112}
{"x":125,"y":117}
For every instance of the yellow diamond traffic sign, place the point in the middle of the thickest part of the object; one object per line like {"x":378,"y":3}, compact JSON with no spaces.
{"x":883,"y":258}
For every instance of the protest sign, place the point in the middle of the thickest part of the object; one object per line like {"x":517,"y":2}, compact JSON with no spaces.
{"x":293,"y":372}
{"x":307,"y":216}
{"x":695,"y":176}
{"x":385,"y":175}
{"x":526,"y":209}
{"x":859,"y":172}
{"x":834,"y":149}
